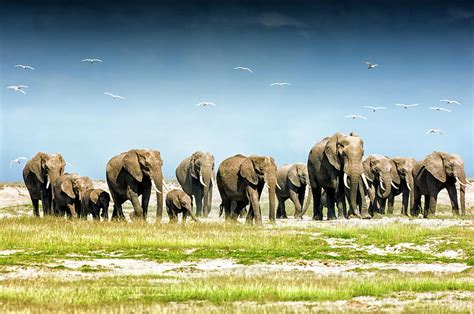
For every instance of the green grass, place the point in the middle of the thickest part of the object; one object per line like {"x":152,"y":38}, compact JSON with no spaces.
{"x":56,"y":294}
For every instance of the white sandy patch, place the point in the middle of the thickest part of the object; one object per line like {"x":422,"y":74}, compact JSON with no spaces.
{"x":9,"y":252}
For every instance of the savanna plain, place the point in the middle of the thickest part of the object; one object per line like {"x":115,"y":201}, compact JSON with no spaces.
{"x":390,"y":264}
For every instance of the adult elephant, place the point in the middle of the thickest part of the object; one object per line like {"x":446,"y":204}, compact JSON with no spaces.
{"x":435,"y":172}
{"x":378,"y":171}
{"x":68,"y":190}
{"x":293,"y":181}
{"x":95,"y":202}
{"x":402,"y":176}
{"x":240,"y":180}
{"x":331,"y":163}
{"x":38,"y":174}
{"x":132,"y":174}
{"x":195,"y":174}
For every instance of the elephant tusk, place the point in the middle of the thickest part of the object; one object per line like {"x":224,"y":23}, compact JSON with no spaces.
{"x":276,"y":183}
{"x":47,"y":184}
{"x":212,"y":181}
{"x":201,"y":180}
{"x":408,"y":186}
{"x":381,"y":185}
{"x":393,"y":185}
{"x":459,"y":181}
{"x":365,"y":181}
{"x":345,"y":181}
{"x":153,"y":185}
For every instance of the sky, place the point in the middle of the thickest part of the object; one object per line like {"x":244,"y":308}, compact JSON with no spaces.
{"x":164,"y":57}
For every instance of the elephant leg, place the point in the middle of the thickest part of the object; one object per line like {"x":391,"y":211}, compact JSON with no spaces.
{"x":405,"y":201}
{"x":250,"y":216}
{"x":383,"y":202}
{"x":341,"y":206}
{"x":198,"y":198}
{"x":46,"y":204}
{"x":233,"y":215}
{"x":331,"y":195}
{"x":72,"y":210}
{"x":35,"y":207}
{"x":391,"y":201}
{"x":185,"y":216}
{"x":146,"y":200}
{"x":253,"y":196}
{"x":453,"y":195}
{"x":133,"y":197}
{"x":280,"y":208}
{"x":317,"y":208}
{"x":297,"y":203}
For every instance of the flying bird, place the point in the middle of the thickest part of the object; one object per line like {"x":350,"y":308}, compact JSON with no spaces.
{"x":375,"y":108}
{"x":280,"y":84}
{"x":450,"y":101}
{"x":205,"y":104}
{"x":18,"y":88}
{"x":371,"y":65}
{"x":434,"y":131}
{"x":91,"y":60}
{"x":440,"y":109}
{"x":17,"y":161}
{"x":244,"y":69}
{"x":114,"y":96}
{"x":24,"y":67}
{"x":68,"y":163}
{"x":406,"y":106}
{"x":355,"y":116}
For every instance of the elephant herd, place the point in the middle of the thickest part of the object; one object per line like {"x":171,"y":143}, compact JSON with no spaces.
{"x":336,"y":175}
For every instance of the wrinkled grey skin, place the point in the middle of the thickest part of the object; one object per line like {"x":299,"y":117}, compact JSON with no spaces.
{"x":435,"y":172}
{"x":68,"y":190}
{"x":328,"y":160}
{"x":378,"y":171}
{"x":191,"y":173}
{"x":38,"y":171}
{"x":241,"y":180}
{"x":403,"y":178}
{"x":179,"y":202}
{"x":95,"y":202}
{"x":292,"y":182}
{"x":132,"y":174}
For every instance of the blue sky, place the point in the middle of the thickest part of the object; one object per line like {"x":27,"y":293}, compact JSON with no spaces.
{"x":165,"y":58}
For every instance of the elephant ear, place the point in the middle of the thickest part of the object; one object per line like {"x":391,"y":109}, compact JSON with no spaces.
{"x":434,"y":164}
{"x":247,"y":171}
{"x":193,"y":168}
{"x":293,"y":176}
{"x":177,"y":200}
{"x":36,"y":166}
{"x":66,"y":187}
{"x":367,"y":172}
{"x":394,"y":173}
{"x":331,"y":150}
{"x":95,"y":194}
{"x":132,"y":165}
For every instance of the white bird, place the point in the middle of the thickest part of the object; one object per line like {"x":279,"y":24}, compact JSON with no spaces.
{"x":371,"y":65}
{"x":114,"y":96}
{"x":375,"y":108}
{"x":243,"y":69}
{"x":17,"y":161}
{"x":68,"y":163}
{"x":205,"y":104}
{"x":406,"y":106}
{"x":355,"y":116}
{"x":280,"y":84}
{"x":434,"y":131}
{"x":91,"y":60}
{"x":18,"y":88}
{"x":24,"y":67}
{"x":450,"y":101}
{"x":440,"y":109}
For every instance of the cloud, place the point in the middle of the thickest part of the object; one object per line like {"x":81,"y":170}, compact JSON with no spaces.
{"x":275,"y":19}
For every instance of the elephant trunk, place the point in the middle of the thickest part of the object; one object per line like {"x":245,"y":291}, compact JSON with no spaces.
{"x":157,"y":184}
{"x":354,"y":185}
{"x":205,"y":178}
{"x":271,"y":181}
{"x":307,"y":202}
{"x":411,"y":191}
{"x":463,"y":182}
{"x":387,"y":182}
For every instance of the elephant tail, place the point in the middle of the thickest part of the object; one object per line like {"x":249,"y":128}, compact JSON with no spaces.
{"x":221,"y":209}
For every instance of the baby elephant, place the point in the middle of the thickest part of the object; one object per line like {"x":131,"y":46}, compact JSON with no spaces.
{"x":177,"y":201}
{"x":94,"y":200}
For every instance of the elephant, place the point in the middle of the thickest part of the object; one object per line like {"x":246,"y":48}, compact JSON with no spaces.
{"x":331,"y":163}
{"x":38,"y":174}
{"x":435,"y":172}
{"x":178,"y":201}
{"x":195,"y":174}
{"x":402,"y":177}
{"x":241,"y":180}
{"x":378,"y":171}
{"x":134,"y":173}
{"x":93,"y":202}
{"x":293,"y":180}
{"x":68,"y":190}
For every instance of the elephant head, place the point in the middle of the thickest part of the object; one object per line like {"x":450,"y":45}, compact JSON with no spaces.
{"x":102,"y":199}
{"x":404,"y":168}
{"x":47,"y":167}
{"x":183,"y":201}
{"x":298,"y":176}
{"x":74,"y":185}
{"x":202,"y":169}
{"x":256,"y":169}
{"x":379,"y":168}
{"x":345,"y":153}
